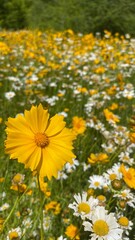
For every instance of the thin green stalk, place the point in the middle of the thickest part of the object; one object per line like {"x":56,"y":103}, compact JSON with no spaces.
{"x":11,"y":212}
{"x":42,"y":199}
{"x":13,"y":208}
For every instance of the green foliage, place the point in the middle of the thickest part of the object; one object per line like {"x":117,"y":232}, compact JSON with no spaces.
{"x":14,"y":14}
{"x":115,"y":16}
{"x":84,"y":16}
{"x":79,"y":15}
{"x":58,"y":15}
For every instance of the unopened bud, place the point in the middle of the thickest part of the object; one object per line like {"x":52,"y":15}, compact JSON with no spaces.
{"x":116,"y":184}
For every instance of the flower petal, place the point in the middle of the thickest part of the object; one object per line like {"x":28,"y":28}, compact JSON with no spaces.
{"x":37,"y":118}
{"x":56,"y":125}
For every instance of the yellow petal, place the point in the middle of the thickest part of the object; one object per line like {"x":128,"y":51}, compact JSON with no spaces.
{"x":18,"y":125}
{"x":48,"y":167}
{"x":37,"y":118}
{"x":55,"y":126}
{"x":34,"y":159}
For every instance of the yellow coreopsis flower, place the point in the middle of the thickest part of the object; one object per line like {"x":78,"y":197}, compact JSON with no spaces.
{"x":54,"y":206}
{"x":128,"y":176}
{"x":44,"y":145}
{"x":71,"y":232}
{"x":98,"y":158}
{"x":132,"y":137}
{"x":114,"y":106}
{"x":44,"y":187}
{"x":110,"y":116}
{"x":79,"y":125}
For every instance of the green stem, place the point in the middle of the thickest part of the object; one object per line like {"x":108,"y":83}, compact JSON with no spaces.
{"x":10,"y":214}
{"x":13,"y":208}
{"x":42,"y":200}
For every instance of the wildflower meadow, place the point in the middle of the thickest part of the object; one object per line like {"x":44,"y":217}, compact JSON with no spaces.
{"x":67,"y":146}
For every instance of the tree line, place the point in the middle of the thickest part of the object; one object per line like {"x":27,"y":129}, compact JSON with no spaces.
{"x":82,"y":16}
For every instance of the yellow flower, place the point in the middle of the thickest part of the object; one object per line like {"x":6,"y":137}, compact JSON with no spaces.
{"x":54,"y":206}
{"x":123,"y":221}
{"x":132,"y":137}
{"x":113,"y":106}
{"x":128,"y":176}
{"x":44,"y":187}
{"x":4,"y":49}
{"x":41,"y":144}
{"x":21,"y":188}
{"x":18,"y":179}
{"x":110,"y":116}
{"x":79,"y":125}
{"x":13,"y":235}
{"x":71,"y":232}
{"x":2,"y":179}
{"x":98,"y":158}
{"x":100,"y":70}
{"x":82,"y":90}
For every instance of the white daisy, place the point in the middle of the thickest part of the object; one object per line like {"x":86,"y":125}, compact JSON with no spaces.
{"x":9,"y":95}
{"x":124,"y":157}
{"x":14,"y":233}
{"x":125,"y":224}
{"x":46,"y":222}
{"x":61,"y":238}
{"x":62,"y":175}
{"x":85,"y":166}
{"x":104,"y":226}
{"x":71,"y":167}
{"x":127,"y":196}
{"x":109,"y":147}
{"x":27,"y":223}
{"x":113,"y":173}
{"x":97,"y":181}
{"x":83,"y":206}
{"x":4,"y":207}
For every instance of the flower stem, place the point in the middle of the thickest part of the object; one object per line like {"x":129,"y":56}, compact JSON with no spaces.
{"x":42,"y":200}
{"x":12,"y":210}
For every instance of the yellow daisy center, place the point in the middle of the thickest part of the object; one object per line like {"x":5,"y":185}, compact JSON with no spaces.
{"x":123,"y":221}
{"x":13,"y":235}
{"x":100,"y":228}
{"x":96,"y":184}
{"x":84,"y":207}
{"x":101,"y":198}
{"x":124,"y":194}
{"x":41,"y":140}
{"x":112,"y":176}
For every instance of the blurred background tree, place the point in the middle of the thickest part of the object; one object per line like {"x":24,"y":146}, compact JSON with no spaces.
{"x":79,"y":15}
{"x":13,"y":14}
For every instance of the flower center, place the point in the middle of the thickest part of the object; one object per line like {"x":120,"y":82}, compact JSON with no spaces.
{"x":124,"y":195}
{"x":13,"y":235}
{"x":100,"y":228}
{"x":41,"y":140}
{"x":101,"y":198}
{"x":96,"y":184}
{"x":84,"y":207}
{"x":123,"y":221}
{"x":113,"y":176}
